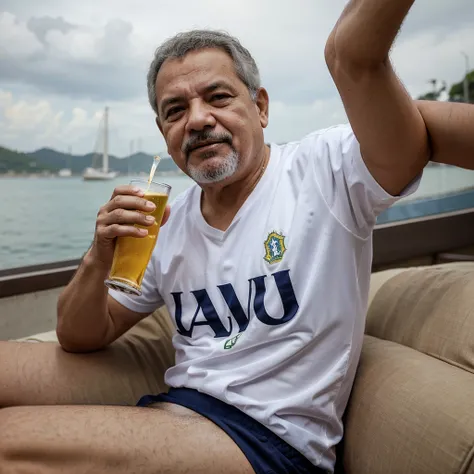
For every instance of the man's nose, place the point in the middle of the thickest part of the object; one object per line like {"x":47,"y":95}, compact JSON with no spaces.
{"x":200,"y":117}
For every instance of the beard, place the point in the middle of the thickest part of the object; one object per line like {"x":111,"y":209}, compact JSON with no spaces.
{"x":225,"y":168}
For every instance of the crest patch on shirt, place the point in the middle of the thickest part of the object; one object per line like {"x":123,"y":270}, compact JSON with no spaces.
{"x":230,"y":343}
{"x":274,"y":247}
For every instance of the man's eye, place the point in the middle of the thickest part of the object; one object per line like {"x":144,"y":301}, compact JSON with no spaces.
{"x":173,"y":111}
{"x":220,"y":96}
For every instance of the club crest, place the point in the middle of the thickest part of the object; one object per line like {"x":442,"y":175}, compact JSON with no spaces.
{"x":230,"y":343}
{"x":274,"y":248}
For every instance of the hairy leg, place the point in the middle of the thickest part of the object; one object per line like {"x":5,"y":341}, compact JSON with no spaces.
{"x":91,"y":439}
{"x":44,"y":374}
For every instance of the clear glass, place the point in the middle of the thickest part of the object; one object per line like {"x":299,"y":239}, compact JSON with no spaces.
{"x":132,"y":254}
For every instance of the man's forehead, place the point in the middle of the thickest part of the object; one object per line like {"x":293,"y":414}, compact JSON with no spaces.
{"x":197,"y":69}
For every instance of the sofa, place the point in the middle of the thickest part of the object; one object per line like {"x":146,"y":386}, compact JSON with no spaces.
{"x":411,"y":410}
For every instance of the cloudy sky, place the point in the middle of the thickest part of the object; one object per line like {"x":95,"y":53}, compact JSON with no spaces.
{"x":63,"y":61}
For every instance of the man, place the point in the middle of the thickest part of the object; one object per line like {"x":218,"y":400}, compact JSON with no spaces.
{"x":264,"y":265}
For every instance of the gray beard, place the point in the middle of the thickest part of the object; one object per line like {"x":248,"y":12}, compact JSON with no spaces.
{"x":225,"y":170}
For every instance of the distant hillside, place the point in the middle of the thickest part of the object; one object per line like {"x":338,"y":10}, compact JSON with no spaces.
{"x":55,"y":160}
{"x":52,"y":160}
{"x":19,"y":162}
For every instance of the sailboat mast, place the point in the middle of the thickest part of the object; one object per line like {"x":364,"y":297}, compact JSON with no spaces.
{"x":105,"y":162}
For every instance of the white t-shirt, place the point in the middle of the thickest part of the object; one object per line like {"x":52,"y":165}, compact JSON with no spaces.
{"x":270,"y":314}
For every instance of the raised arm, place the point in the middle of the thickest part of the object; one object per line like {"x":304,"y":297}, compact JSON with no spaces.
{"x":451,"y":130}
{"x":386,"y":121}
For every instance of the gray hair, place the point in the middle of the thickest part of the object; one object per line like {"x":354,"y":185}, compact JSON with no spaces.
{"x":183,"y":43}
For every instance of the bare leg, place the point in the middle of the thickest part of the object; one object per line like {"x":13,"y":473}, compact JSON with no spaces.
{"x":80,"y":440}
{"x":44,"y":374}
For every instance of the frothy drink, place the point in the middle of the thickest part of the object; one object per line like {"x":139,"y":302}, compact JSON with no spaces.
{"x":132,"y":254}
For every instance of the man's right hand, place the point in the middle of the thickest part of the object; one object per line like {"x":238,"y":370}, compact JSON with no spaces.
{"x":88,"y":317}
{"x":118,"y":218}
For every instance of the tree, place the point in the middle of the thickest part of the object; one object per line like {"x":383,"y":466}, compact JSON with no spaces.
{"x":436,"y":92}
{"x":456,"y":93}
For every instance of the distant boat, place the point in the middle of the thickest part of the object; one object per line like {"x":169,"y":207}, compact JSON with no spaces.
{"x":101,"y":174}
{"x":93,"y":174}
{"x":65,"y":173}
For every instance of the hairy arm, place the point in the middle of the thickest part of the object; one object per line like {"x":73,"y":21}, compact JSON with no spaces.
{"x":451,"y":129}
{"x":386,"y":121}
{"x":88,"y":318}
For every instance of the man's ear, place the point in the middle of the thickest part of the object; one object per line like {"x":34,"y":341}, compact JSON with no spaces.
{"x":263,"y":104}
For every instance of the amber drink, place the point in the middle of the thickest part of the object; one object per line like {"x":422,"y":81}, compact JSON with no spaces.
{"x":132,"y":254}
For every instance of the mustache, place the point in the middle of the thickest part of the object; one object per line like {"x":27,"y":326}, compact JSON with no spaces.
{"x":204,"y":137}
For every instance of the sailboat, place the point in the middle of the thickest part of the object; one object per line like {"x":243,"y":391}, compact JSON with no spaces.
{"x":67,"y":171}
{"x":100,"y":174}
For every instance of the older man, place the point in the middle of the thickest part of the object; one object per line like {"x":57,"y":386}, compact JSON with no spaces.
{"x":264,"y":265}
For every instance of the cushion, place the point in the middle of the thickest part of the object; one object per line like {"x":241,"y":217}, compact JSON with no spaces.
{"x":378,"y":279}
{"x":149,"y":343}
{"x":408,"y":413}
{"x":429,"y":309}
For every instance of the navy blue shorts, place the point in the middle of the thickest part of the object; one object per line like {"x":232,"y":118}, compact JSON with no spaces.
{"x":266,"y":452}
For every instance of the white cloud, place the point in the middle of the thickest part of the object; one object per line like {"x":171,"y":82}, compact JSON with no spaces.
{"x":59,"y":72}
{"x":429,"y":55}
{"x":37,"y":123}
{"x":78,"y":44}
{"x":28,"y":125}
{"x":15,"y":36}
{"x":81,"y":61}
{"x":303,"y":118}
{"x":109,"y":43}
{"x":26,"y":116}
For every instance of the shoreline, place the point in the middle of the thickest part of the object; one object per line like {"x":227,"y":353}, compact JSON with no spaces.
{"x":75,"y":176}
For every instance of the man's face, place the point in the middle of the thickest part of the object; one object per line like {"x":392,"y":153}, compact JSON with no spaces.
{"x":211,"y":125}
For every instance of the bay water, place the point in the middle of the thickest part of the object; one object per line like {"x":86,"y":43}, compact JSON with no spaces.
{"x":45,"y":220}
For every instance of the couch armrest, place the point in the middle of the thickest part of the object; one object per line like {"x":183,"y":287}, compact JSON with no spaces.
{"x":453,"y":257}
{"x":408,"y":413}
{"x":378,"y":279}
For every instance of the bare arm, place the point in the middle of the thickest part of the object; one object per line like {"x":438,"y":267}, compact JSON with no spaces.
{"x":386,"y":121}
{"x":88,"y":318}
{"x":451,"y":129}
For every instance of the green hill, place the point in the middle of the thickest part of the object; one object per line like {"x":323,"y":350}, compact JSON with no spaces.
{"x":47,"y":159}
{"x":20,"y":162}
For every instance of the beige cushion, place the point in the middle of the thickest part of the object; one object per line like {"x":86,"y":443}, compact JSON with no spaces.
{"x":150,"y":344}
{"x":378,"y":279}
{"x":408,"y":414}
{"x":429,"y":309}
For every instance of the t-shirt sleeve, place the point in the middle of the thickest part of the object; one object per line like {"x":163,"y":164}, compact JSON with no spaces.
{"x":149,"y":301}
{"x":352,"y":194}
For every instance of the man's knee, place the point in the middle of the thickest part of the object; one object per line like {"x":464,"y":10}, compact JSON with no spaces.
{"x":10,"y":440}
{"x":27,"y":445}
